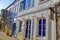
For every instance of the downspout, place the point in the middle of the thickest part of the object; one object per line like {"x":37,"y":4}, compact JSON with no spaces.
{"x":56,"y":12}
{"x":56,"y":22}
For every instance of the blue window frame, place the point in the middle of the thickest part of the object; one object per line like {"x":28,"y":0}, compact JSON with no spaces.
{"x":24,"y":4}
{"x":42,"y":27}
{"x":28,"y":3}
{"x":22,"y":7}
{"x":28,"y":29}
{"x":20,"y":26}
{"x":32,"y":3}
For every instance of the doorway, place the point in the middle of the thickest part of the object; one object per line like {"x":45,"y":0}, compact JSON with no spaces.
{"x":13,"y":29}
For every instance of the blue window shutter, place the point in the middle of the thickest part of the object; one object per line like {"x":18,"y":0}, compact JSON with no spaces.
{"x":29,"y":3}
{"x":24,"y":4}
{"x":33,"y":3}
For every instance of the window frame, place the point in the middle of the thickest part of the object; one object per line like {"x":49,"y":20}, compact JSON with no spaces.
{"x":28,"y":35}
{"x":38,"y":27}
{"x":20,"y":26}
{"x":22,"y":5}
{"x":29,"y":4}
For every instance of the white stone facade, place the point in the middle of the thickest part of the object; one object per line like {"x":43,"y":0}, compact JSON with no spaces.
{"x":40,"y":10}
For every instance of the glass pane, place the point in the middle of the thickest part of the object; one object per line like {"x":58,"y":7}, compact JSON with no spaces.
{"x":26,"y":31}
{"x":29,"y":31}
{"x":44,"y":21}
{"x":26,"y":26}
{"x":40,"y":27}
{"x":26,"y":22}
{"x":26,"y":35}
{"x":44,"y":33}
{"x":20,"y":25}
{"x":40,"y":21}
{"x":32,"y":3}
{"x":39,"y":33}
{"x":29,"y":3}
{"x":30,"y":21}
{"x":29,"y":27}
{"x":20,"y":6}
{"x":29,"y":36}
{"x":44,"y":27}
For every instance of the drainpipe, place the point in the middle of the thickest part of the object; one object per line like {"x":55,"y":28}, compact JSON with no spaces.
{"x":56,"y":22}
{"x":56,"y":12}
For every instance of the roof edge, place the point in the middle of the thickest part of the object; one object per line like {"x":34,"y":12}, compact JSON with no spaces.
{"x":10,"y":4}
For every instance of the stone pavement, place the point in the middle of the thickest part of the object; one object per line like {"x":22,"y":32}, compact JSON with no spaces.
{"x":4,"y":37}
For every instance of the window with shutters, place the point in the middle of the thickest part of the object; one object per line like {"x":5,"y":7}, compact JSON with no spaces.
{"x":22,"y":5}
{"x":29,"y":3}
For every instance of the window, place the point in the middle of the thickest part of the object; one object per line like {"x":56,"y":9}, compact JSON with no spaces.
{"x":25,"y":4}
{"x":28,"y":29}
{"x":22,"y":5}
{"x":9,"y":11}
{"x":42,"y":27}
{"x":20,"y":26}
{"x":29,"y":3}
{"x":15,"y":8}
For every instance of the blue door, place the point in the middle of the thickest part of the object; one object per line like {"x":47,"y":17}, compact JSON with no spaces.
{"x":13,"y":29}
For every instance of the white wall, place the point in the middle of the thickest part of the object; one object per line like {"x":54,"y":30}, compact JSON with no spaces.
{"x":35,"y":8}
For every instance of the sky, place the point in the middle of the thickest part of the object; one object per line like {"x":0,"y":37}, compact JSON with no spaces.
{"x":5,"y":3}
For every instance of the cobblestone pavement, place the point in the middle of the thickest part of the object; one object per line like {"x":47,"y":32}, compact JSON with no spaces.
{"x":4,"y":37}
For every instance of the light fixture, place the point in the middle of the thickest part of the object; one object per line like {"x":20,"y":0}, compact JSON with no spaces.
{"x":14,"y":19}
